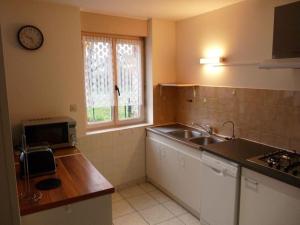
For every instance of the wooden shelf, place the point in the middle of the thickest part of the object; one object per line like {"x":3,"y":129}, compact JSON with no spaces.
{"x":161,"y":85}
{"x":177,"y":85}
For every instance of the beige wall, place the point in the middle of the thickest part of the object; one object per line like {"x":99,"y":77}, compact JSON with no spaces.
{"x":118,"y":155}
{"x":163,"y":35}
{"x":243,"y":33}
{"x":164,"y":51}
{"x":45,"y":82}
{"x":148,"y":72}
{"x":113,"y":25}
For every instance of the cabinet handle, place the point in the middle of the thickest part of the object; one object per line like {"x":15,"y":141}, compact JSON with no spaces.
{"x":252,"y":184}
{"x":181,"y":160}
{"x":217,"y":172}
{"x":251,"y":181}
{"x":68,"y":209}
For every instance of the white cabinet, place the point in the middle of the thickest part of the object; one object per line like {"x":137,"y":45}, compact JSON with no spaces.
{"x":161,"y":164}
{"x":94,"y":211}
{"x":267,"y":201}
{"x":168,"y":169}
{"x":153,"y":155}
{"x":176,"y":168}
{"x":189,"y":179}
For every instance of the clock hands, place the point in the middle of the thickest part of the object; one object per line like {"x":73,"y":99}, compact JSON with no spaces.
{"x":29,"y":37}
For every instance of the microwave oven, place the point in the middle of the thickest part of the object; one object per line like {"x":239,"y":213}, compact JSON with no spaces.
{"x":56,"y":132}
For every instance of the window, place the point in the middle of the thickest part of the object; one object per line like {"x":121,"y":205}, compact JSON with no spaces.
{"x":113,"y":68}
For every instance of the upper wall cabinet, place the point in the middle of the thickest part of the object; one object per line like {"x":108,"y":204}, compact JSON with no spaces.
{"x":286,"y":36}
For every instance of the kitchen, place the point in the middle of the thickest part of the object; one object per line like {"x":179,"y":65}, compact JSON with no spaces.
{"x":262,"y":103}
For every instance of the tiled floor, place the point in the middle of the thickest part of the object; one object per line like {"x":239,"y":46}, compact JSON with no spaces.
{"x":144,"y":204}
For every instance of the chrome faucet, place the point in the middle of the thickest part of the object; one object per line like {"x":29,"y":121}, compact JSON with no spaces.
{"x":232,"y":123}
{"x":207,"y":128}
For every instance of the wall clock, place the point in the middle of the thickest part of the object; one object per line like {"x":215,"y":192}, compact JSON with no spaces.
{"x":30,"y":37}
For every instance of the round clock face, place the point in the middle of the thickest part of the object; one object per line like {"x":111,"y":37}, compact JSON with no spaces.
{"x":30,"y":37}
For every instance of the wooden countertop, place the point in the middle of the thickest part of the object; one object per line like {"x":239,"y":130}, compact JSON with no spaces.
{"x":80,"y":180}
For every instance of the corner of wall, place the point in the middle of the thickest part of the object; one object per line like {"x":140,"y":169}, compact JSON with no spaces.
{"x":149,"y":74}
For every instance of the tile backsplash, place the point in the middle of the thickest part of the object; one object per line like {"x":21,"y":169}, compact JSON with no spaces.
{"x":165,"y":104}
{"x":268,"y":116}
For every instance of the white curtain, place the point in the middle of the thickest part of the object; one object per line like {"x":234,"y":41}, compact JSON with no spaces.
{"x":128,"y":54}
{"x":98,"y":69}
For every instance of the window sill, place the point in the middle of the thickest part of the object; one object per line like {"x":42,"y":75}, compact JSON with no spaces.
{"x":100,"y":131}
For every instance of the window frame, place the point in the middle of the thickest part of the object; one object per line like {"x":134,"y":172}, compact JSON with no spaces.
{"x":116,"y":122}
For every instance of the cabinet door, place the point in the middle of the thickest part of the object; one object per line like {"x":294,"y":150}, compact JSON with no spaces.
{"x":94,"y":211}
{"x":267,"y":201}
{"x":153,"y":160}
{"x":175,"y":168}
{"x":168,"y":172}
{"x":189,"y":180}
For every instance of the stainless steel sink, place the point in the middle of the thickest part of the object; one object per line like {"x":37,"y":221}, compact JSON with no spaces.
{"x":185,"y":134}
{"x":189,"y":135}
{"x":205,"y":140}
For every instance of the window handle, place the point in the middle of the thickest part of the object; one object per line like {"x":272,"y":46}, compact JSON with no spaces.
{"x":117,"y":89}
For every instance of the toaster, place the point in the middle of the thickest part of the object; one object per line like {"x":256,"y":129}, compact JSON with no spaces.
{"x":40,"y":160}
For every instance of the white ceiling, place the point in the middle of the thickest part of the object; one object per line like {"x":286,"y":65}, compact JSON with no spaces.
{"x":163,"y":9}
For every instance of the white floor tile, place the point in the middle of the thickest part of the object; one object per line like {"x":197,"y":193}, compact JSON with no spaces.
{"x":189,"y":219}
{"x":116,"y":197}
{"x":159,"y":196}
{"x":176,"y":209}
{"x":144,"y":204}
{"x":132,"y":191}
{"x":147,"y":187}
{"x":130,"y":219}
{"x":121,"y":208}
{"x":156,"y":214}
{"x":173,"y":221}
{"x":141,"y":202}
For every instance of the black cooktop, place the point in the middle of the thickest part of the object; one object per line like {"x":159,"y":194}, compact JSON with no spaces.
{"x":287,"y":162}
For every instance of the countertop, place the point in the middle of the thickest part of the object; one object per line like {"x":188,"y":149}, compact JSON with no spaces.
{"x":239,"y":150}
{"x":80,"y":180}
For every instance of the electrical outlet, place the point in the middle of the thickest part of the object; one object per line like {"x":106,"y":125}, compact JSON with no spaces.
{"x":73,"y":108}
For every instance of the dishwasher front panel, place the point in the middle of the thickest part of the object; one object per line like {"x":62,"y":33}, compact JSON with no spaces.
{"x":219,"y":192}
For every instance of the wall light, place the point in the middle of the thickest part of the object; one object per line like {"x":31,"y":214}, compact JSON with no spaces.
{"x":212,"y":60}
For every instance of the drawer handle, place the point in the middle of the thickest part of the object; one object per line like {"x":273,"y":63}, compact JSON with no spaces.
{"x":217,"y":172}
{"x":252,"y":184}
{"x":251,"y":181}
{"x":68,"y":209}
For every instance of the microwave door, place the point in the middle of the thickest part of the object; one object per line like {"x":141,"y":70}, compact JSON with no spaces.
{"x":52,"y":135}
